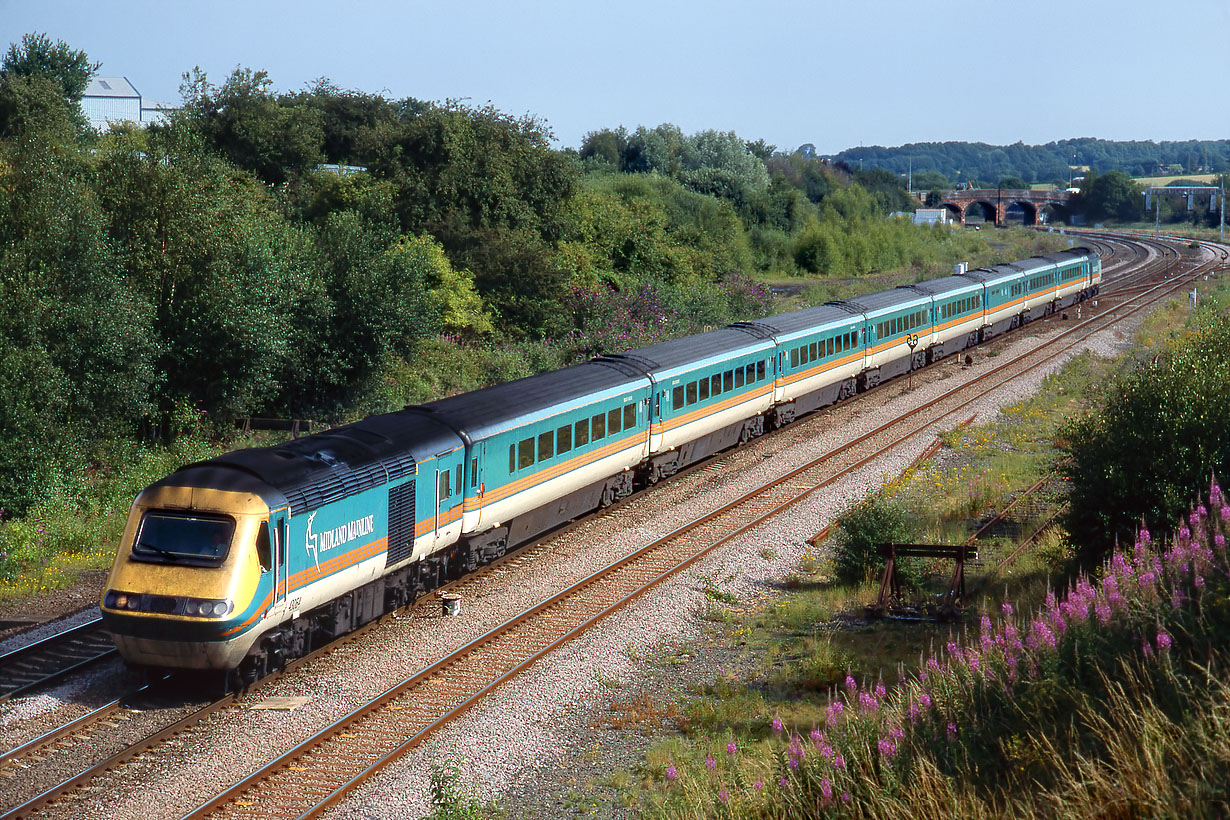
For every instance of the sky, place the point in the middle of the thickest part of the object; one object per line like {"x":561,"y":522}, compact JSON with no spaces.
{"x":837,"y":75}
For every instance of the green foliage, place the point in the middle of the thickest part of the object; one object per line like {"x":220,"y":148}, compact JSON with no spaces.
{"x":76,"y":347}
{"x":38,"y":56}
{"x":861,"y":527}
{"x":1152,"y":445}
{"x":451,"y":797}
{"x":1111,"y":195}
{"x":246,"y":123}
{"x":1052,"y":162}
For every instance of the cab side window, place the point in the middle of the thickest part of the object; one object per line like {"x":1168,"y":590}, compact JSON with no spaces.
{"x":262,"y":548}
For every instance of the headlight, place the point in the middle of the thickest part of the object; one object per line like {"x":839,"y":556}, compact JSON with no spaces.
{"x":220,"y":608}
{"x":132,"y":602}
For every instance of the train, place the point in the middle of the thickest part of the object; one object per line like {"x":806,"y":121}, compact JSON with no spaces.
{"x":244,"y":561}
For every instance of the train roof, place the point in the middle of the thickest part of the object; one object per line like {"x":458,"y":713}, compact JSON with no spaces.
{"x":784,"y":324}
{"x":939,"y":287}
{"x":691,"y":351}
{"x":483,"y":413}
{"x":881,"y":301}
{"x":321,"y":468}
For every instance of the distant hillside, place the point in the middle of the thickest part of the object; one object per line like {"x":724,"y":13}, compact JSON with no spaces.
{"x":987,"y":164}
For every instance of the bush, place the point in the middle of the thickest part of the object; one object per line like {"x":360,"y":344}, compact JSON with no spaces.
{"x":1150,"y":448}
{"x":861,"y":528}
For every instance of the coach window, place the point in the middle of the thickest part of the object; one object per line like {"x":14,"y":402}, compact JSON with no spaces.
{"x":612,"y":422}
{"x":581,"y":429}
{"x":728,"y":381}
{"x":512,"y":458}
{"x":691,"y":393}
{"x":677,"y":397}
{"x":525,"y":453}
{"x":629,"y":416}
{"x":715,"y":384}
{"x":738,"y":377}
{"x":473,"y":473}
{"x":794,"y":357}
{"x":704,"y":389}
{"x":751,"y":373}
{"x":563,"y":439}
{"x":546,"y":445}
{"x":597,"y":427}
{"x":445,"y":486}
{"x":760,"y":369}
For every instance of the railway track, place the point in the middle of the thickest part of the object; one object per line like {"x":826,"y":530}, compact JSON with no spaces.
{"x":54,"y":657}
{"x":451,"y":698}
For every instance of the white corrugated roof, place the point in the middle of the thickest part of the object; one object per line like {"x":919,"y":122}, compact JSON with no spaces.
{"x":111,"y":87}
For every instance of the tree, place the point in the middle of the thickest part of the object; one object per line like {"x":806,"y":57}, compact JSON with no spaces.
{"x":76,"y":346}
{"x":246,"y":123}
{"x":1111,"y":195}
{"x":1013,"y":183}
{"x":37,"y":56}
{"x":38,"y":74}
{"x":606,"y":145}
{"x":344,"y":117}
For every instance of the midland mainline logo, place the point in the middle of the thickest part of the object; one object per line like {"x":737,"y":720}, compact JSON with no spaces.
{"x":318,"y":542}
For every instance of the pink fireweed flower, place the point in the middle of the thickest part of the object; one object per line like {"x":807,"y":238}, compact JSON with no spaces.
{"x":783,"y":781}
{"x":826,"y":788}
{"x":845,"y":797}
{"x":913,"y":713}
{"x":952,"y":731}
{"x":672,"y":773}
{"x":758,"y":785}
{"x":731,"y":748}
{"x":839,"y":762}
{"x":1146,"y":649}
{"x":794,"y":763}
{"x":777,"y":725}
{"x":826,"y":751}
{"x":851,"y":684}
{"x":880,"y":691}
{"x":887,"y":748}
{"x":924,"y":700}
{"x":1163,"y":640}
{"x":867,"y":703}
{"x":1102,"y":610}
{"x":724,"y":796}
{"x":833,"y":713}
{"x":710,"y":763}
{"x":1006,"y":608}
{"x":816,"y":736}
{"x":897,"y":733}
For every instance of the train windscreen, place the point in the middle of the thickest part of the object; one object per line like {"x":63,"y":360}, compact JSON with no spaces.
{"x":188,"y":538}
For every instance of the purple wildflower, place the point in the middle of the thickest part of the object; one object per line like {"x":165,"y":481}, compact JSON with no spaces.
{"x":724,"y":796}
{"x":952,"y":731}
{"x":731,"y":748}
{"x":672,"y":773}
{"x":777,"y":725}
{"x":710,"y":763}
{"x":1163,"y":640}
{"x":758,"y":785}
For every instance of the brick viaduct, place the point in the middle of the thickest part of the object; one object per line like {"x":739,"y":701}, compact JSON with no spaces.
{"x":993,"y":204}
